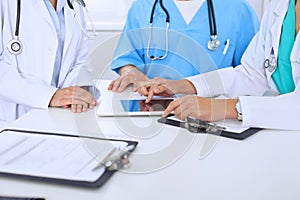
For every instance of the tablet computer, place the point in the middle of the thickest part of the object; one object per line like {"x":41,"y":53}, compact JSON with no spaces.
{"x":132,"y":107}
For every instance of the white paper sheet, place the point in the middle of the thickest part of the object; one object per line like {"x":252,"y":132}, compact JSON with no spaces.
{"x":51,"y":156}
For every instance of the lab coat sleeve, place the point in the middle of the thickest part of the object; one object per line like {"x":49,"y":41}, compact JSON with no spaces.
{"x":22,"y":89}
{"x":280,"y":112}
{"x":249,"y":78}
{"x":248,"y":27}
{"x":129,"y":48}
{"x":17,"y":87}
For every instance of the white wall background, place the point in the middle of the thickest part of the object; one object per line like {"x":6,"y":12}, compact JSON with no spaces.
{"x":108,"y":14}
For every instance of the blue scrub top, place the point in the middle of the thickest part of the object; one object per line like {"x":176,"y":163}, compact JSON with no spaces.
{"x":187,"y":56}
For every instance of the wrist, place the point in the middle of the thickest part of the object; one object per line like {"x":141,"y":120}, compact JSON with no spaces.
{"x":185,"y":87}
{"x":232,"y":112}
{"x":127,"y":68}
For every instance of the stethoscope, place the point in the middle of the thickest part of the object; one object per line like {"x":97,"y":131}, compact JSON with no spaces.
{"x":271,"y":63}
{"x":15,"y":46}
{"x":213,"y":44}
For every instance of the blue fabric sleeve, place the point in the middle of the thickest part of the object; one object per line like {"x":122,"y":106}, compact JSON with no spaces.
{"x":126,"y":52}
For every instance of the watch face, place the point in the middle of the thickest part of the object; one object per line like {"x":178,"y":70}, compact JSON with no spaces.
{"x":239,"y":110}
{"x":240,"y":117}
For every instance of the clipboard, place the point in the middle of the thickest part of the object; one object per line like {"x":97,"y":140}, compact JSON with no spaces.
{"x":104,"y":174}
{"x":209,"y":128}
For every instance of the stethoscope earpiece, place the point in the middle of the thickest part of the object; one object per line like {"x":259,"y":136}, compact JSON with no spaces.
{"x":15,"y":47}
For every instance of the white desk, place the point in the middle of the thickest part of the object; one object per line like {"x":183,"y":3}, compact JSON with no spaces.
{"x":264,"y":166}
{"x":3,"y":124}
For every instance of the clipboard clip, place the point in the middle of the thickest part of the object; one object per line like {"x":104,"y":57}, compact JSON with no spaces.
{"x":199,"y":126}
{"x":193,"y":125}
{"x":117,"y":160}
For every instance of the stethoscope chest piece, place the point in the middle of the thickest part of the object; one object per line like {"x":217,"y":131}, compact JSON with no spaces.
{"x":15,"y":47}
{"x":213,"y":44}
{"x":271,"y":64}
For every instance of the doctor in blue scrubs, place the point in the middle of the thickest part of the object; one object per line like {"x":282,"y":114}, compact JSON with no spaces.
{"x":181,"y":49}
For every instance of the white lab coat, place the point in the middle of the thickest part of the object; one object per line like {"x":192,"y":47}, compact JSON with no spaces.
{"x":251,"y":78}
{"x":25,"y":79}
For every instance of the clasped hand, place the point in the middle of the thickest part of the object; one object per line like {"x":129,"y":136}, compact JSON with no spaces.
{"x":80,"y":100}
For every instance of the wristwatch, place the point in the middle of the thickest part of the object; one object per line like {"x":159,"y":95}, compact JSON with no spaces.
{"x":238,"y":108}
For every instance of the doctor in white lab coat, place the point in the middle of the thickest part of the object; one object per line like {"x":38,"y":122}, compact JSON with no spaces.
{"x":26,"y":79}
{"x":249,"y":85}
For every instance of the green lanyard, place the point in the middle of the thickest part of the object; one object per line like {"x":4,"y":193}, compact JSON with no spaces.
{"x":282,"y":76}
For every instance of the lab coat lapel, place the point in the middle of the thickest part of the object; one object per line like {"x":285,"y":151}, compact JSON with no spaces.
{"x":69,"y":21}
{"x":295,"y":55}
{"x":69,"y":27}
{"x":295,"y":59}
{"x":43,"y":11}
{"x":275,"y":31}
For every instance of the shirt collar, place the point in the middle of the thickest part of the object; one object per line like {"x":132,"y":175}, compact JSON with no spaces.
{"x":60,"y":5}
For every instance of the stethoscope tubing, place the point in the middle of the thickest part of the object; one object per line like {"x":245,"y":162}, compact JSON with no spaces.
{"x":164,"y":9}
{"x":211,"y":18}
{"x":166,"y":34}
{"x":213,"y":43}
{"x":17,"y":29}
{"x":18,"y":18}
{"x":15,"y":46}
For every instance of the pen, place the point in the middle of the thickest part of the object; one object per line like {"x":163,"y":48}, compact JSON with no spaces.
{"x":226,"y":46}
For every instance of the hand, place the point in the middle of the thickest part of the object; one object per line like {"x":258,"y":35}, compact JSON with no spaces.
{"x":206,"y":109}
{"x":128,"y":75}
{"x":164,"y":87}
{"x":75,"y":97}
{"x":158,"y":86}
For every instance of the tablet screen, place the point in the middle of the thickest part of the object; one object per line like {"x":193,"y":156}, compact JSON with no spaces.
{"x":141,"y":106}
{"x":132,"y":107}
